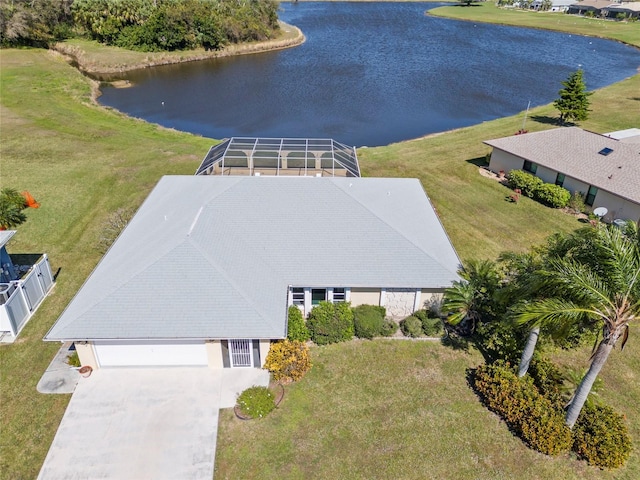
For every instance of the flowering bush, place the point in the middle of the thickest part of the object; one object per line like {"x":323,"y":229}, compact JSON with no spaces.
{"x":256,"y":402}
{"x":288,"y":361}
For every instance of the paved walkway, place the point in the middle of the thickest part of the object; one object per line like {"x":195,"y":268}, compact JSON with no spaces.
{"x":59,"y":376}
{"x":151,"y":423}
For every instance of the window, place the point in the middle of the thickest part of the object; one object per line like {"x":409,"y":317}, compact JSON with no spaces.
{"x":591,"y":195}
{"x":605,"y":151}
{"x":339,"y":295}
{"x":318,"y":295}
{"x":560,"y":179}
{"x":298,"y":296}
{"x":529,"y":167}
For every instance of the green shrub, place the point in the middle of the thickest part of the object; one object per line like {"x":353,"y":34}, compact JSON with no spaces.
{"x":288,"y":361}
{"x":368,"y":320}
{"x":296,"y":327}
{"x":601,"y":437}
{"x":431,"y":323}
{"x":73,"y":359}
{"x":552,"y":195}
{"x":411,"y":326}
{"x":331,"y":323}
{"x":256,"y":402}
{"x":389,"y":328}
{"x":576,"y":202}
{"x":530,"y":415}
{"x":548,"y":379}
{"x":526,"y":182}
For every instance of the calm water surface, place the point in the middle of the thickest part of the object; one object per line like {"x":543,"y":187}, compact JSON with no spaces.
{"x":371,"y":74}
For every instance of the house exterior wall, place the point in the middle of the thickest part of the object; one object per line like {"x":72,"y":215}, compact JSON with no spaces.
{"x":400,"y":302}
{"x":501,"y":160}
{"x":214,"y":354}
{"x":86,"y":354}
{"x":264,"y":350}
{"x":430,"y":296}
{"x":365,"y":296}
{"x":618,"y":207}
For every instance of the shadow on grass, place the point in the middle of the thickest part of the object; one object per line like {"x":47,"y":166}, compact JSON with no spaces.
{"x":546,"y":120}
{"x":482,"y":161}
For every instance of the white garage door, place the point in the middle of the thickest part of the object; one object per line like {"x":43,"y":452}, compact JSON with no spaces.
{"x":150,"y":353}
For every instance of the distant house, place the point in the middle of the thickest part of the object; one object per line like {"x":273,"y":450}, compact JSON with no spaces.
{"x":556,"y":5}
{"x":25,"y":280}
{"x":604,"y":168}
{"x":206,"y":270}
{"x":629,"y":9}
{"x":597,"y":7}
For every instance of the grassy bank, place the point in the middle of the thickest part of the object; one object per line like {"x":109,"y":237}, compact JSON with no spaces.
{"x":82,"y":161}
{"x":95,"y":58}
{"x":488,"y":12}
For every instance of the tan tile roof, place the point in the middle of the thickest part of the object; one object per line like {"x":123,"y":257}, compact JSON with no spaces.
{"x":574,"y":152}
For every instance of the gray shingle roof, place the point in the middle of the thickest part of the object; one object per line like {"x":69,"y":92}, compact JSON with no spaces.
{"x":212,"y":257}
{"x":574,"y":152}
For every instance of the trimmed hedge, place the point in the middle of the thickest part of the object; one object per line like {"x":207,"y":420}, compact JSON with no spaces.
{"x":296,"y":327}
{"x":530,"y":415}
{"x":552,"y":195}
{"x":411,"y":327}
{"x":601,"y":437}
{"x":368,"y":320}
{"x":389,"y":328}
{"x":331,"y":323}
{"x":431,"y":324}
{"x":526,"y":182}
{"x":531,"y":186}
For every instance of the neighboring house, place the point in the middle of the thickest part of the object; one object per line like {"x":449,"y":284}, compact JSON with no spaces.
{"x":598,"y":7}
{"x":556,"y":5}
{"x":605,"y":170}
{"x":629,"y":9}
{"x":205,"y":271}
{"x":25,"y":280}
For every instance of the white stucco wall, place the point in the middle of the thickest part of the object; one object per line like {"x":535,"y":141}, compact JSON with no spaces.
{"x":617,"y":207}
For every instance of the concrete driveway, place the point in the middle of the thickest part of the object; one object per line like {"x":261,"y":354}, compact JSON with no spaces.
{"x":125,"y":423}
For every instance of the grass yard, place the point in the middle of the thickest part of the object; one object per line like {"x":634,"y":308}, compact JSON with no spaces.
{"x":82,"y":162}
{"x":627,"y":32}
{"x":402,"y":409}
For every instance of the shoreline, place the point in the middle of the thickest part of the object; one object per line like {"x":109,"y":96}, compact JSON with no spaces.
{"x":90,"y":65}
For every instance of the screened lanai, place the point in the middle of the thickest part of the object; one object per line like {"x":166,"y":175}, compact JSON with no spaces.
{"x":317,"y":157}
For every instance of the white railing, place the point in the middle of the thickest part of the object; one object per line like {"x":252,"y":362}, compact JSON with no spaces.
{"x":26,"y":297}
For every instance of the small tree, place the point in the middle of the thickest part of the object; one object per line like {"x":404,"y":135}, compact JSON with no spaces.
{"x":331,"y":323}
{"x":573,"y":103}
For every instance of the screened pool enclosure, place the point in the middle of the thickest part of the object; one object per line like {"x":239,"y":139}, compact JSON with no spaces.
{"x":316,"y":157}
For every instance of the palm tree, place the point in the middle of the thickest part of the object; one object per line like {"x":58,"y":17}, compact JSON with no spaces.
{"x":470,"y":301}
{"x":604,"y":287}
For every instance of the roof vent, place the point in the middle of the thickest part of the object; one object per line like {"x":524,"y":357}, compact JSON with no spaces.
{"x":605,"y":151}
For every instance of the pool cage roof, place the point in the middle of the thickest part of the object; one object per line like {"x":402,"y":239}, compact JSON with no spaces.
{"x":280,"y":156}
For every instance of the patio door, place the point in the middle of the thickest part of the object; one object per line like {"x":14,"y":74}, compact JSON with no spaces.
{"x":241,"y":353}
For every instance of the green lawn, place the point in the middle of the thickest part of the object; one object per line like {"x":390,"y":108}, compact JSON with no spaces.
{"x":627,"y":32}
{"x":387,"y":409}
{"x":82,"y":161}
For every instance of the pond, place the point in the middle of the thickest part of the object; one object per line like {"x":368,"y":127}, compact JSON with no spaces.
{"x":371,"y":74}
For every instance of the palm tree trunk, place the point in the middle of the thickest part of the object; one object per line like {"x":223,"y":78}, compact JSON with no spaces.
{"x":599,"y":359}
{"x":527,"y":353}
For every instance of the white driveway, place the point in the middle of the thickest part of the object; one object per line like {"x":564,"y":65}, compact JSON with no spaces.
{"x":145,"y":423}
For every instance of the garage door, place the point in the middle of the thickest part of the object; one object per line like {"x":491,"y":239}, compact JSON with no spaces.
{"x":151,"y":353}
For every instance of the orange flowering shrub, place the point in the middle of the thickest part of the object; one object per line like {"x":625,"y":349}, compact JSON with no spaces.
{"x":288,"y":361}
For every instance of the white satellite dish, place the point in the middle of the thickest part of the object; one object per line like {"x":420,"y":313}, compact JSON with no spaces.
{"x":600,"y":211}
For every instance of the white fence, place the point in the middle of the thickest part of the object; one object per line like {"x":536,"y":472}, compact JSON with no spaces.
{"x":26,"y":297}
